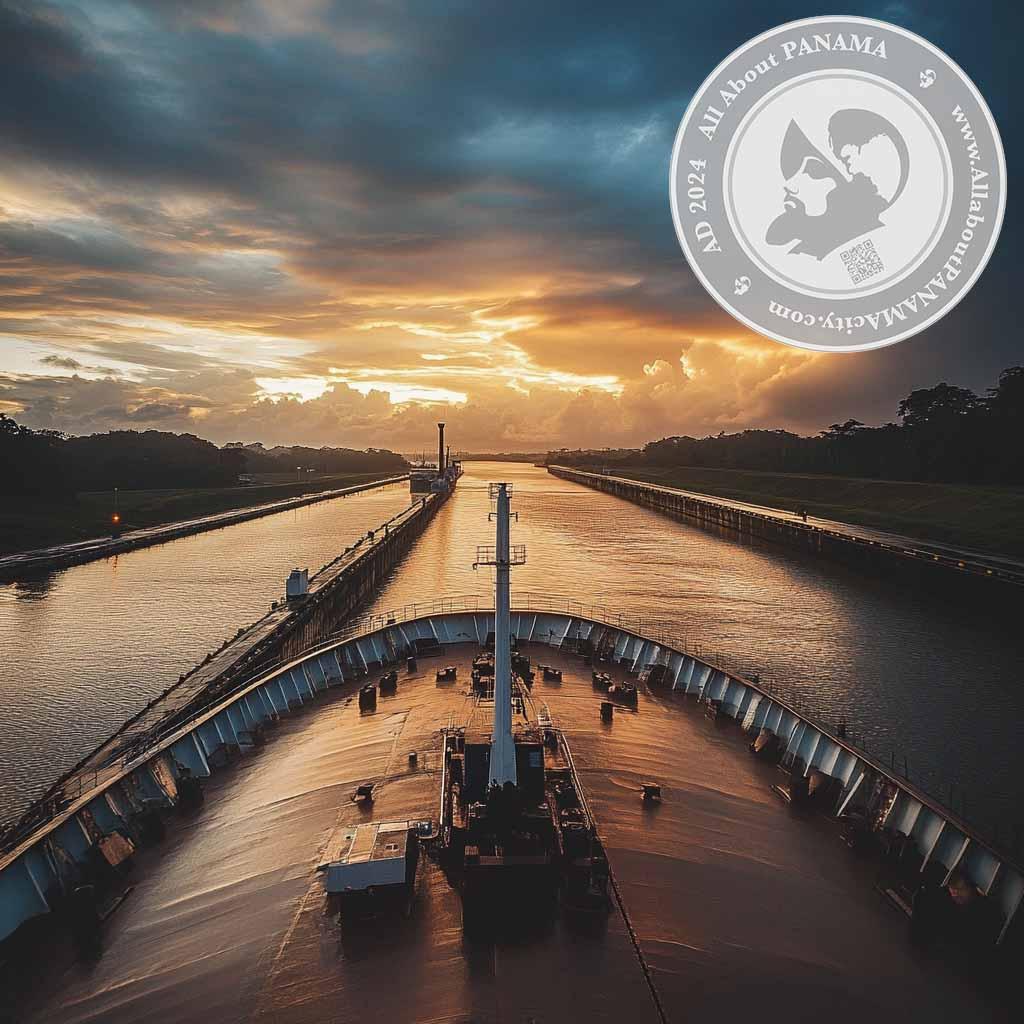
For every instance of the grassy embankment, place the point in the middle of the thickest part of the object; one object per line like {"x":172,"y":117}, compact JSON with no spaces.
{"x":987,"y":518}
{"x":25,"y":525}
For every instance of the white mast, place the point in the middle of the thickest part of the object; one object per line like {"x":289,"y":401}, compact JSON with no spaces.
{"x":503,"y":748}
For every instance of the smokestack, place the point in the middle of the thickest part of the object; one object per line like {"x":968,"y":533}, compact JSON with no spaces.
{"x":440,"y":449}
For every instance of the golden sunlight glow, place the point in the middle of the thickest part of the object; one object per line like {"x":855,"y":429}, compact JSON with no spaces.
{"x":302,"y":388}
{"x":401,"y":393}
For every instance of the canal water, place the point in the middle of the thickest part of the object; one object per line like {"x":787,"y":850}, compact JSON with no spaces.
{"x":921,"y":674}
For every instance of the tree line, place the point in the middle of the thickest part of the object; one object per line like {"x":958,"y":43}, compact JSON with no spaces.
{"x":48,"y":463}
{"x":945,"y":434}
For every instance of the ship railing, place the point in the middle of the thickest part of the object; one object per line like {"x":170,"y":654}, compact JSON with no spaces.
{"x":131,"y":742}
{"x":754,"y":671}
{"x":664,"y":633}
{"x":134,"y":744}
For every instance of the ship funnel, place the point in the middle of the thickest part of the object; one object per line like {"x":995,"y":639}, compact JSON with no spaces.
{"x":503,"y":556}
{"x":440,"y":450}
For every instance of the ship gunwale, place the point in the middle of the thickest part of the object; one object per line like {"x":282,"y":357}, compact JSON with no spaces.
{"x":647,"y":631}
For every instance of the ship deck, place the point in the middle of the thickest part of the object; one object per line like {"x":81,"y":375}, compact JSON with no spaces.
{"x":742,"y":907}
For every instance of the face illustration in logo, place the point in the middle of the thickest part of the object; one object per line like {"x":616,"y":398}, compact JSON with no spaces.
{"x":830,"y":200}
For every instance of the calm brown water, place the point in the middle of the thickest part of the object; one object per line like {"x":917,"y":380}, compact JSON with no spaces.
{"x":922,"y":672}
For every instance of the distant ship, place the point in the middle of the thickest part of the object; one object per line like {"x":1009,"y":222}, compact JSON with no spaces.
{"x":425,"y":477}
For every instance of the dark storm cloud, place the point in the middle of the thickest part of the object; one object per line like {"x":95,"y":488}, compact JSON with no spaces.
{"x":63,"y":99}
{"x":441,"y":99}
{"x":437,"y":98}
{"x":94,"y":251}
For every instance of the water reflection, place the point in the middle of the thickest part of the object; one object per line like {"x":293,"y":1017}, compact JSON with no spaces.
{"x":34,"y":588}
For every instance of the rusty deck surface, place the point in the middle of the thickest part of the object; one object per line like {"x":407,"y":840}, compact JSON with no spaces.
{"x":742,"y":908}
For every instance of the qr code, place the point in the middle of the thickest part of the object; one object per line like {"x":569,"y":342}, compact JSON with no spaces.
{"x":862,"y":261}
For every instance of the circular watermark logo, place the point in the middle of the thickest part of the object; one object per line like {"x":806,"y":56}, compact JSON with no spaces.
{"x":838,"y":184}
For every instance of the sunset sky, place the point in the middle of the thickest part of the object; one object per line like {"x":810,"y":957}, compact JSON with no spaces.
{"x":317,"y":223}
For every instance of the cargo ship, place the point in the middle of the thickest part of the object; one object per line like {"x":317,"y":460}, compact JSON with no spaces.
{"x":503,"y":807}
{"x":425,"y":477}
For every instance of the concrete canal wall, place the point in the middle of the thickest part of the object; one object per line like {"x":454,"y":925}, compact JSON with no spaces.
{"x":37,"y":874}
{"x":828,"y":543}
